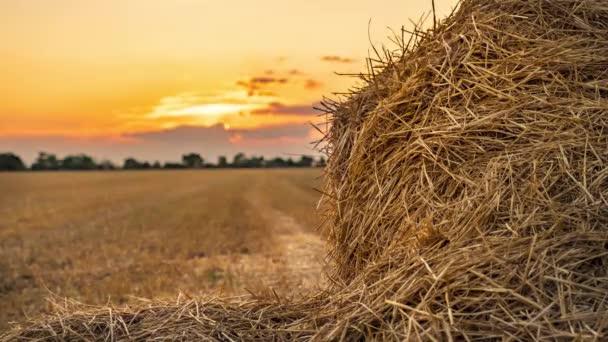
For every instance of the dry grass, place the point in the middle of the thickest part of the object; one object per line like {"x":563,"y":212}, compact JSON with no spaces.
{"x":467,"y":196}
{"x":470,"y":181}
{"x":105,"y":238}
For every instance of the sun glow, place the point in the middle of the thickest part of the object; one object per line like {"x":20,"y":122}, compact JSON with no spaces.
{"x":214,"y":109}
{"x":198,"y":106}
{"x":232,"y":109}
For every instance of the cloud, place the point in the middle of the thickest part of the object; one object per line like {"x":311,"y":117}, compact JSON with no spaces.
{"x":275,"y":132}
{"x":198,"y":134}
{"x":311,"y":84}
{"x":296,"y":72}
{"x":257,"y":84}
{"x":267,"y":80}
{"x":236,"y":138}
{"x":219,"y":137}
{"x":337,"y":59}
{"x":290,"y":72}
{"x":266,"y":93}
{"x":280,"y":108}
{"x":217,"y":140}
{"x":205,"y":109}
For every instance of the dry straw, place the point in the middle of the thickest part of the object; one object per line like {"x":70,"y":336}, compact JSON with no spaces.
{"x":466,"y":194}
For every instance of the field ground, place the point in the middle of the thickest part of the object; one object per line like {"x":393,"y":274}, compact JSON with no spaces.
{"x":101,"y":237}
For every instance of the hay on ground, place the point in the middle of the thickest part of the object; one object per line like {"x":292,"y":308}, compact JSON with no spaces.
{"x":466,"y":190}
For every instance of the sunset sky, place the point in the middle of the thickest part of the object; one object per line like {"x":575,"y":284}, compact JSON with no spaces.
{"x":154,"y":79}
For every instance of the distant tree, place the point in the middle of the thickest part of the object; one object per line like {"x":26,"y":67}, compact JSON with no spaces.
{"x":11,"y":162}
{"x":106,"y":165}
{"x":78,"y":162}
{"x":131,"y":164}
{"x":170,"y":165}
{"x":146,"y":165}
{"x":46,"y":161}
{"x":276,"y":162}
{"x":222,"y":161}
{"x":255,"y":162}
{"x":305,"y":161}
{"x":290,"y":162}
{"x":156,"y":165}
{"x":192,"y":160}
{"x":321,"y":162}
{"x":239,"y":160}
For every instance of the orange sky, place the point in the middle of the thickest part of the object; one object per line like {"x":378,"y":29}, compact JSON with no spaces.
{"x":106,"y":71}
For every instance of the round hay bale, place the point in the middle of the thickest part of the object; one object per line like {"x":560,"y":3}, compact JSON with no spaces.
{"x":469,"y":179}
{"x":467,"y":195}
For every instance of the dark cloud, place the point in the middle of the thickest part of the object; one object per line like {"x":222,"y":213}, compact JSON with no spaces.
{"x":337,"y":59}
{"x":279,"y":108}
{"x":275,"y":132}
{"x":182,"y":134}
{"x":312,"y":84}
{"x":290,"y":72}
{"x":256,"y":84}
{"x":217,"y":134}
{"x":216,"y":140}
{"x":267,"y":80}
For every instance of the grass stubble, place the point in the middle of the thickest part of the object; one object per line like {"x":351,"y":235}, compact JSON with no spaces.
{"x":466,"y":196}
{"x":115,"y":238}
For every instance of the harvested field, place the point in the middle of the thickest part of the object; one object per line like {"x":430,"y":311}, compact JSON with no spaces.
{"x":109,"y":237}
{"x":466,"y":195}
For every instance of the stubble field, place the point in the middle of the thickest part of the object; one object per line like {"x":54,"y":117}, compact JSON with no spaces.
{"x":116,"y":237}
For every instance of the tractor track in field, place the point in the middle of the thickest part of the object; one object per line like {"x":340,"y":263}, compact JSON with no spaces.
{"x":292,"y":266}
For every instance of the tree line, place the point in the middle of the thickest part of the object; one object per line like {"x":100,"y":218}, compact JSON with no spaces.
{"x":48,"y":161}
